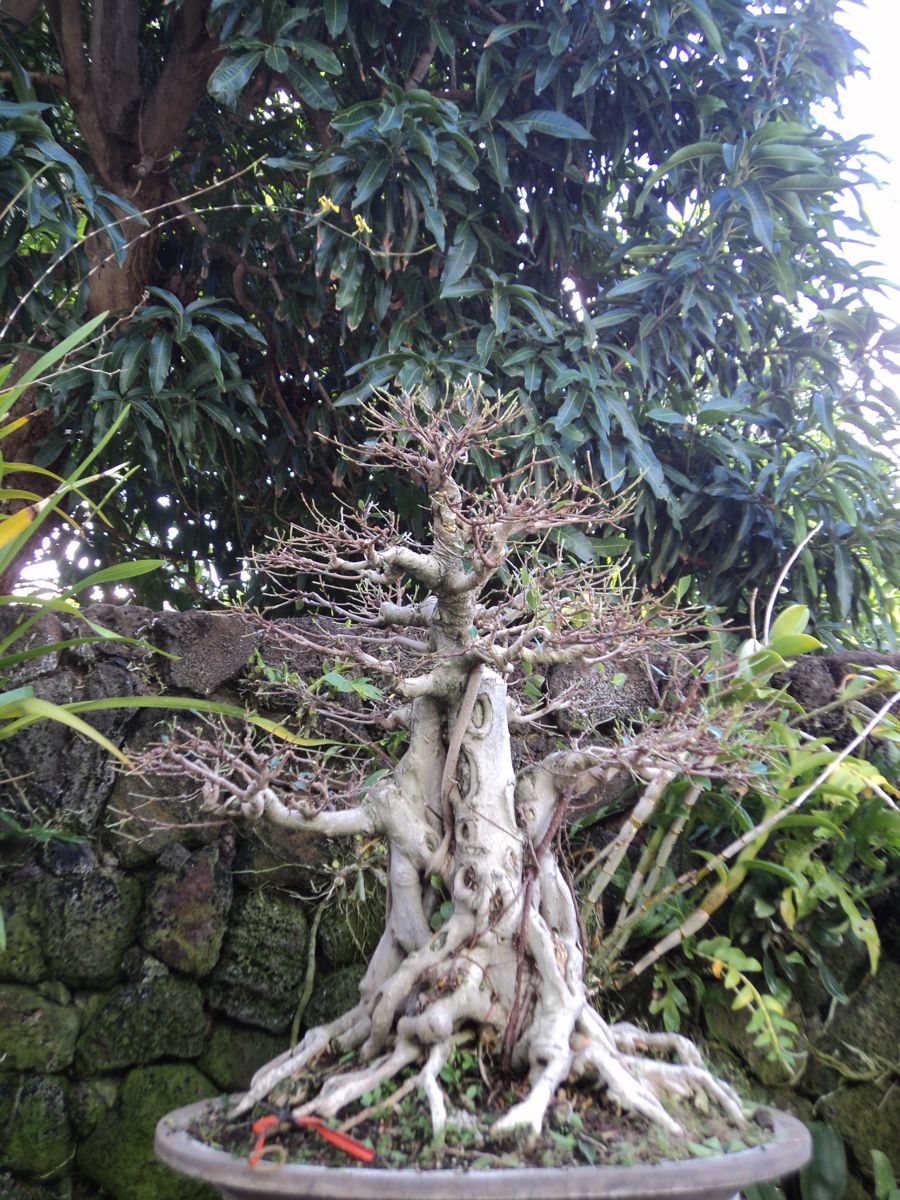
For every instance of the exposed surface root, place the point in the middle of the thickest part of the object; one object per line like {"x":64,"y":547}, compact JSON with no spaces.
{"x":624,"y":1062}
{"x":292,"y":1063}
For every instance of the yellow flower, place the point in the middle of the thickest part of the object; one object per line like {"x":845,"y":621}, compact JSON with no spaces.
{"x":327,"y":205}
{"x":362,"y":225}
{"x":717,"y":967}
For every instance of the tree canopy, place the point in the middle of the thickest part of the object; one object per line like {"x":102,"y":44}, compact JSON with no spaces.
{"x":633,"y":215}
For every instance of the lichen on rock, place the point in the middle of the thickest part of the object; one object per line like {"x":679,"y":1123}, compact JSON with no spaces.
{"x":23,"y":960}
{"x":36,"y":1135}
{"x":118,"y":1155}
{"x":334,"y":995}
{"x":36,"y":1034}
{"x":155,"y":1016}
{"x":89,"y":919}
{"x":234,"y":1053}
{"x":186,"y":910}
{"x":260,"y":971}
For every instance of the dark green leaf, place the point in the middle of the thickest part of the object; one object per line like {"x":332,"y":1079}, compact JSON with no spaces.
{"x":312,"y":88}
{"x":336,"y":16}
{"x":370,"y":180}
{"x":232,"y":75}
{"x":460,"y":256}
{"x":550,"y":123}
{"x":160,"y":358}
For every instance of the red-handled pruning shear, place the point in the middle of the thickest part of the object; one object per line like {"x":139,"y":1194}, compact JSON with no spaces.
{"x":343,"y":1141}
{"x":261,"y":1129}
{"x":268,"y":1125}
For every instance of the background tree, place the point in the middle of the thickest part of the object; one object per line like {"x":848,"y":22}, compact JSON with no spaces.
{"x":633,"y":215}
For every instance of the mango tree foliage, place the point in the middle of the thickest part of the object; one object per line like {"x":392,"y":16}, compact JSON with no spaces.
{"x":633,"y":215}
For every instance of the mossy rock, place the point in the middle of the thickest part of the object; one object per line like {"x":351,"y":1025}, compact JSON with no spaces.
{"x":848,"y":963}
{"x":89,"y":1102}
{"x":36,"y":1034}
{"x":143,"y":820}
{"x":119,"y":1155}
{"x":157,"y":1016}
{"x":868,"y":1117}
{"x":234,"y":1053}
{"x":275,"y":856}
{"x":870,"y":1021}
{"x":263,"y":962}
{"x":69,"y":777}
{"x":350,"y":929}
{"x":186,"y":910}
{"x":23,"y":960}
{"x":596,"y":699}
{"x":89,"y":920}
{"x":334,"y":995}
{"x":208,"y":648}
{"x":12,"y":1188}
{"x":36,"y":1135}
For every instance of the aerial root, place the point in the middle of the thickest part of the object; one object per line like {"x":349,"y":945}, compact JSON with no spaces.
{"x":340,"y":1090}
{"x":684,"y":1080}
{"x":349,"y":1086}
{"x":293,"y":1061}
{"x":631,"y":1038}
{"x":395,"y":992}
{"x":688,"y":1074}
{"x":566,"y":1042}
{"x":428,"y":1080}
{"x":529,"y":1113}
{"x":623,"y":1086}
{"x":637,"y":1082}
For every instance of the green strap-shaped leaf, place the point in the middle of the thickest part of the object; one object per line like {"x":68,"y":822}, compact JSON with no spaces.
{"x":160,"y":360}
{"x":232,"y":75}
{"x":460,"y":256}
{"x":550,"y":123}
{"x":32,"y":708}
{"x":754,"y":201}
{"x":336,"y":12}
{"x":370,"y":180}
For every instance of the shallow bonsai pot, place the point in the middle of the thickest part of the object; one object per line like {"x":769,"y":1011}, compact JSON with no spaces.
{"x":716,"y":1178}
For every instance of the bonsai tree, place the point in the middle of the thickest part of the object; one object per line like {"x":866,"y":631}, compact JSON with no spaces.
{"x":457,"y":629}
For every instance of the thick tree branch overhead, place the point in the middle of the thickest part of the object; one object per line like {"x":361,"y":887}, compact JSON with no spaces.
{"x":114,"y":43}
{"x":192,"y":56}
{"x":66,"y":19}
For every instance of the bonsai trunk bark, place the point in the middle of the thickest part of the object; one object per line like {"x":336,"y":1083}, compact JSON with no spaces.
{"x":508,"y":960}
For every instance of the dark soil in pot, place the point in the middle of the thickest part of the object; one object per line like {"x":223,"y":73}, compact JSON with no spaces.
{"x":578,"y":1132}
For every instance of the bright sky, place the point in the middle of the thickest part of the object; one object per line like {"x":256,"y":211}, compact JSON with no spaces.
{"x":871,"y":105}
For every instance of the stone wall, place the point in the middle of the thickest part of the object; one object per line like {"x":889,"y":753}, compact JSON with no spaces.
{"x":150,"y":960}
{"x":155,"y":957}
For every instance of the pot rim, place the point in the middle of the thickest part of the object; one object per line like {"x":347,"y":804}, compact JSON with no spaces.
{"x":715,"y":1176}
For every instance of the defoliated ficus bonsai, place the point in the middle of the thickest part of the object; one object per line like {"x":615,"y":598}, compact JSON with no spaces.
{"x":452,"y":628}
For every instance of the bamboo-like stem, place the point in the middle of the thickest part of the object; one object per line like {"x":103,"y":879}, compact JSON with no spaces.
{"x":645,"y":877}
{"x":631,"y":826}
{"x":753,"y":840}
